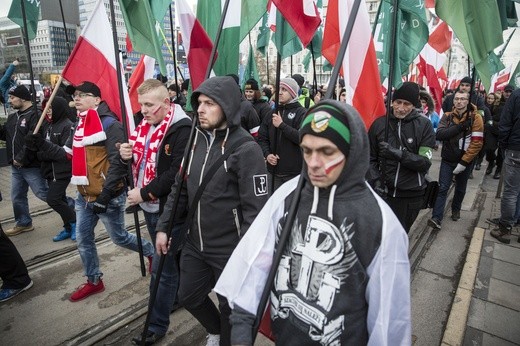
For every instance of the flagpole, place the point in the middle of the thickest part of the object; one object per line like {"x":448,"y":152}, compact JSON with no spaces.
{"x":315,"y":79}
{"x":391,"y":69}
{"x":342,"y":49}
{"x":29,"y":60}
{"x":64,"y":28}
{"x":182,"y":173}
{"x":174,"y":39}
{"x":125,"y":132}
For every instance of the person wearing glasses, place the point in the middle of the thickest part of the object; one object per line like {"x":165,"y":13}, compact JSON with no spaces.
{"x":461,"y":132}
{"x":99,"y":174}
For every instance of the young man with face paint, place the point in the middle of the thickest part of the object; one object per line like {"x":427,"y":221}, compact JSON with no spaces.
{"x":157,"y":147}
{"x":401,"y":162}
{"x":335,"y":284}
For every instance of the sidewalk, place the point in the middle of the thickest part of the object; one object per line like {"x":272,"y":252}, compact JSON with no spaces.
{"x":486,"y":307}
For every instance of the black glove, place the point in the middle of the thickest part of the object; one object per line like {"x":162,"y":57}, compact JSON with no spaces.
{"x":34,"y":142}
{"x":381,"y":189}
{"x":465,"y":125}
{"x":101,"y":204}
{"x":389,"y":152}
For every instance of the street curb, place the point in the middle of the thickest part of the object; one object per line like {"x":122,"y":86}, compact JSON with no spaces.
{"x":456,"y":326}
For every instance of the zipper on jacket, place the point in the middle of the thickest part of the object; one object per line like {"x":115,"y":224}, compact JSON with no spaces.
{"x":15,"y":131}
{"x":208,"y":147}
{"x":237,"y":222}
{"x":398,"y":163}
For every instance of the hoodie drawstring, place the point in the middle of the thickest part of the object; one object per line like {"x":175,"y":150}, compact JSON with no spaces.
{"x":222,"y":147}
{"x":315,"y":199}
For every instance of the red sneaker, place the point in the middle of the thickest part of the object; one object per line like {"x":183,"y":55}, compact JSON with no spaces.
{"x":150,"y":259}
{"x":86,"y":290}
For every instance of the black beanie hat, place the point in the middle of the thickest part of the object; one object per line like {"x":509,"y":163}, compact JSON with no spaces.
{"x":251,"y":84}
{"x":509,"y":87}
{"x":60,"y":108}
{"x":327,"y":121}
{"x":20,"y":91}
{"x":409,"y":91}
{"x":466,"y":79}
{"x":299,"y":79}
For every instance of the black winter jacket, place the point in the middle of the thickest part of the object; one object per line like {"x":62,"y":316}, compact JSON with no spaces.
{"x":509,"y":127}
{"x":55,"y":165}
{"x":413,"y":135}
{"x":13,"y":132}
{"x":284,"y":141}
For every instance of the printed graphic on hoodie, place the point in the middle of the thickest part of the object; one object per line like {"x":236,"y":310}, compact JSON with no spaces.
{"x":311,"y":274}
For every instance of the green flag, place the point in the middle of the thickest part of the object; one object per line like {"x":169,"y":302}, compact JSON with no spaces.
{"x":285,"y":39}
{"x":411,"y":36}
{"x":478,"y":34}
{"x":315,"y":46}
{"x":142,"y":27}
{"x":241,"y":17}
{"x":262,"y":42}
{"x":515,"y":76}
{"x":507,"y":11}
{"x":32,"y":13}
{"x":251,"y":72}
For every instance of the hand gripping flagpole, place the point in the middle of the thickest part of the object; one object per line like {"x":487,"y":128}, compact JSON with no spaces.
{"x":125,"y":133}
{"x":286,"y":230}
{"x":181,"y":181}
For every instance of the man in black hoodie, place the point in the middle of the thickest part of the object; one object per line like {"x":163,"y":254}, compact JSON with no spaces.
{"x":278,"y":135}
{"x":56,"y":168}
{"x":402,"y":161}
{"x":344,"y":276}
{"x":229,"y":202}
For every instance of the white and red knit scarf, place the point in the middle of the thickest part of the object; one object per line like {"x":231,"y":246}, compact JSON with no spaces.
{"x":138,"y":137}
{"x":89,"y":131}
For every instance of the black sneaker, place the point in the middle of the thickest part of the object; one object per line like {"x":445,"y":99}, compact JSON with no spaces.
{"x":434,"y":223}
{"x":502,"y":234}
{"x":477,"y":167}
{"x":489,"y":170}
{"x":455,"y":215}
{"x":151,"y":338}
{"x":497,"y":174}
{"x":494,"y":221}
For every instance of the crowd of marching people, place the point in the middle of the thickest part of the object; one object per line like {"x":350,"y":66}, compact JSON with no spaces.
{"x":298,"y":177}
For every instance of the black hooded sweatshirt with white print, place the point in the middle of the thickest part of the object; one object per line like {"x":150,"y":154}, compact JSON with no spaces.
{"x":344,"y":274}
{"x":238,"y":189}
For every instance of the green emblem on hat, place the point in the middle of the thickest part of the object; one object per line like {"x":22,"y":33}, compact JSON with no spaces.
{"x":320,"y":121}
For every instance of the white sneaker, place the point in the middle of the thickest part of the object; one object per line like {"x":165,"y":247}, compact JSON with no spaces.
{"x":213,"y":340}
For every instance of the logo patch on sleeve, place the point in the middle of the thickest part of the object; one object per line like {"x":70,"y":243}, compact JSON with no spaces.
{"x":260,"y":184}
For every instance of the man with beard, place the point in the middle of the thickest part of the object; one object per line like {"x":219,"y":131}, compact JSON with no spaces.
{"x":401,"y":162}
{"x":230,"y":200}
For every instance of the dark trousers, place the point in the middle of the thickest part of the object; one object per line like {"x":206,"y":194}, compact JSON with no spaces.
{"x":57,"y":200}
{"x":406,"y":209}
{"x":12,"y":267}
{"x":199,"y":273}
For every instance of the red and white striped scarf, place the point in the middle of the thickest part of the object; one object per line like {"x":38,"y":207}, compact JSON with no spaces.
{"x":138,"y":137}
{"x":89,"y":131}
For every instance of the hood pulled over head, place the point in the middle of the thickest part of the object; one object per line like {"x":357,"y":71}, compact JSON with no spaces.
{"x":225,"y":92}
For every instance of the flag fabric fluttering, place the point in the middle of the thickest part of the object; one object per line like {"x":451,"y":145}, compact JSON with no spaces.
{"x":93,"y":59}
{"x":315,"y":45}
{"x":515,"y":76}
{"x":302,"y":15}
{"x":142,"y":27}
{"x":197,"y":43}
{"x":411,"y":36}
{"x":251,"y":71}
{"x":32,"y":14}
{"x":479,"y":36}
{"x":241,"y":17}
{"x":284,"y":37}
{"x":262,"y":41}
{"x":360,"y":72}
{"x":500,"y":79}
{"x":144,"y":70}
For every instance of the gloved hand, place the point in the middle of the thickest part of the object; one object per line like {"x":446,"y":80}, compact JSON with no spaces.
{"x":389,"y":152}
{"x":16,"y":62}
{"x":460,"y":168}
{"x":380,"y":188}
{"x":34,"y":142}
{"x":101,"y":204}
{"x":465,"y":125}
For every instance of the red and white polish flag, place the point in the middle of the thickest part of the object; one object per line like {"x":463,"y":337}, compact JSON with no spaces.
{"x":143,"y":71}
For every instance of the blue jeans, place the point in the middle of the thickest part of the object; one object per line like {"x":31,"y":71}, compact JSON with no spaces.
{"x":510,"y":196}
{"x":22,"y":179}
{"x":445,"y":179}
{"x":114,"y":221}
{"x":168,"y":284}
